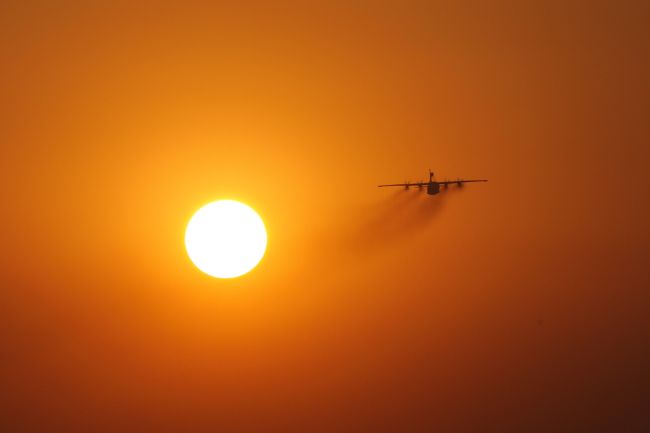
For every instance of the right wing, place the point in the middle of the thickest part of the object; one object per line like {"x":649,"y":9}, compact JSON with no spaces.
{"x":451,"y":182}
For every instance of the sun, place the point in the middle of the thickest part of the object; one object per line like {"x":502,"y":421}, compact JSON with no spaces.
{"x":225,"y":239}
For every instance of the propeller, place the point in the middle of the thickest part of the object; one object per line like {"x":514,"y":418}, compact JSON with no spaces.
{"x":458,"y":181}
{"x":407,"y":184}
{"x":420,"y":185}
{"x":446,"y":184}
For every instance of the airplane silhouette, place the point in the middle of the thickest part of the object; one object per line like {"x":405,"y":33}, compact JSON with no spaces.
{"x":433,"y":187}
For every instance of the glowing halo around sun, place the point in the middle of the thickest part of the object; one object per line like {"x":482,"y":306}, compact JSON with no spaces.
{"x":225,"y":239}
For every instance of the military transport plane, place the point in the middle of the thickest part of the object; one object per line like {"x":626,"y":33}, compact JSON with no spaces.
{"x":433,"y":187}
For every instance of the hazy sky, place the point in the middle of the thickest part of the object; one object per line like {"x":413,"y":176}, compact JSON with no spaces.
{"x":516,"y":305}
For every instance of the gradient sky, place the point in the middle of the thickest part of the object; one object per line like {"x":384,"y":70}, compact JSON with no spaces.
{"x":516,"y":305}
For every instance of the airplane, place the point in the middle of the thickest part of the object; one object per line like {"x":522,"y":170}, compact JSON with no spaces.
{"x":433,"y":187}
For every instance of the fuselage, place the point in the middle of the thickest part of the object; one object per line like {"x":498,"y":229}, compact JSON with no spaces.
{"x":433,"y":188}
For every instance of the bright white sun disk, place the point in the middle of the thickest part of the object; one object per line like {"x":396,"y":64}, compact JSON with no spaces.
{"x":225,"y":239}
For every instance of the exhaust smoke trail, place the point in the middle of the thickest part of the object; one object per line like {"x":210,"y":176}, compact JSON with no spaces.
{"x":371,"y":229}
{"x":393,"y":220}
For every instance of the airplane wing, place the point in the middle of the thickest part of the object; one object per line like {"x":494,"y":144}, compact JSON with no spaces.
{"x":451,"y":182}
{"x":408,"y":184}
{"x":447,"y":182}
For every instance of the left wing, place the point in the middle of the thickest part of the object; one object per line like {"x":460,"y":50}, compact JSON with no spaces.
{"x":408,"y":184}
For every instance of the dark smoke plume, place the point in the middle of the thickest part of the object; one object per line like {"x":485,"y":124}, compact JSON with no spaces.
{"x":370,"y":229}
{"x":402,"y":215}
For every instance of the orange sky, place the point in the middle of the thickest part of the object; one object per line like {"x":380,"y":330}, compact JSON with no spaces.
{"x":516,"y":305}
